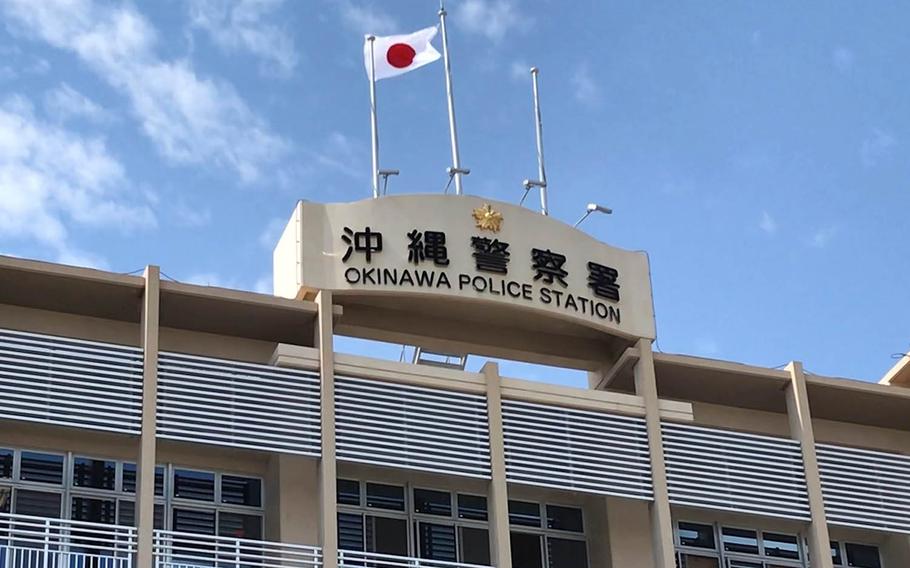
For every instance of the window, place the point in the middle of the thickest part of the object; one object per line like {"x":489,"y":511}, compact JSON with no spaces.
{"x":740,"y":540}
{"x":193,"y":521}
{"x":6,"y":464}
{"x":836,"y":556}
{"x":432,"y":502}
{"x":472,"y":507}
{"x":6,"y":499}
{"x":129,"y":479}
{"x":241,"y":491}
{"x":436,"y":542}
{"x":386,"y":535}
{"x":564,"y":553}
{"x":348,"y":492}
{"x":382,"y":496}
{"x":696,"y":535}
{"x":475,"y":545}
{"x":41,"y":468}
{"x":98,"y":474}
{"x":526,"y":550}
{"x":239,"y":525}
{"x":126,"y":514}
{"x":350,"y":532}
{"x":564,"y":519}
{"x":780,"y":545}
{"x":102,"y":511}
{"x":195,"y":485}
{"x":38,"y":503}
{"x":524,"y":513}
{"x":862,"y":556}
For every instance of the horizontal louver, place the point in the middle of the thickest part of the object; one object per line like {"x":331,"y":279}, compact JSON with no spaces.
{"x":581,"y":450}
{"x":236,"y":404}
{"x":70,"y":382}
{"x":735,"y":471}
{"x":864,"y":488}
{"x":411,"y":427}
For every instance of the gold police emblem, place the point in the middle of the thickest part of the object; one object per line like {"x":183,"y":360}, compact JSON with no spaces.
{"x":487,"y":218}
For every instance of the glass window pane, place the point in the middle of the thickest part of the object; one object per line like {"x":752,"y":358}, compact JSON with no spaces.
{"x":564,"y":553}
{"x":387,"y":536}
{"x":6,"y":499}
{"x":6,"y":463}
{"x":127,"y":514}
{"x":196,"y":485}
{"x":348,"y":492}
{"x":862,"y":556}
{"x":472,"y":507}
{"x":129,"y":479}
{"x":241,"y":490}
{"x":836,"y":557}
{"x":350,"y":532}
{"x":383,"y":496}
{"x":94,"y":510}
{"x":237,"y":525}
{"x":43,"y":468}
{"x":193,"y":521}
{"x":694,"y":561}
{"x":98,"y":474}
{"x":526,"y":551}
{"x":780,"y":545}
{"x":524,"y":513}
{"x":436,"y":542}
{"x":696,"y":535}
{"x":433,"y":502}
{"x":38,"y":503}
{"x":740,"y":540}
{"x":475,"y":545}
{"x":564,"y":518}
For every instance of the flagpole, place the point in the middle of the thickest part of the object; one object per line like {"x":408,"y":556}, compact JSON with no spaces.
{"x":541,"y":172}
{"x":373,"y":121}
{"x":456,"y":170}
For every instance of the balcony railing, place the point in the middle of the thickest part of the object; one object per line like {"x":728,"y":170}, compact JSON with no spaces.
{"x":37,"y":542}
{"x":349,"y":559}
{"x":187,"y":550}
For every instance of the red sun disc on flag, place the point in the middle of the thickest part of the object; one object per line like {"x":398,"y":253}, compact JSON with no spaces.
{"x":400,"y":55}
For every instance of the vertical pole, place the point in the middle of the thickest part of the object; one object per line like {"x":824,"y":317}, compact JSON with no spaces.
{"x":453,"y":132}
{"x":145,"y":470}
{"x":802,"y":431}
{"x":661,"y":520}
{"x":373,"y":120}
{"x":541,"y":172}
{"x":498,"y":497}
{"x":328,"y":522}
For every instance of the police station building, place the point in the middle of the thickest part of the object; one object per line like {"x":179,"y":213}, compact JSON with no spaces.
{"x":146,"y":422}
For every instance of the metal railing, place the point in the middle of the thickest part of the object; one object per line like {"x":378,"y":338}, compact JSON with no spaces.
{"x":349,"y":558}
{"x":37,"y":542}
{"x":187,"y":550}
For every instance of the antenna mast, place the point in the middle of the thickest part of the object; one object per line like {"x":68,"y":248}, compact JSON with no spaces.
{"x":541,"y":181}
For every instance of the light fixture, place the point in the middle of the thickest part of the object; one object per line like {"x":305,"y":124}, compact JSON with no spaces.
{"x":592,"y":207}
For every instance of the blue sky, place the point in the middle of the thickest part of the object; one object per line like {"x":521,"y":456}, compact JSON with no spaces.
{"x":758,"y":151}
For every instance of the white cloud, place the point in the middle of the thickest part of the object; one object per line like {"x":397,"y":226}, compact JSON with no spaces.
{"x":366,"y":18}
{"x":822,"y":237}
{"x":192,"y":216}
{"x":341,"y":154}
{"x":520,"y":70}
{"x":262,"y":285}
{"x":767,"y":223}
{"x":65,"y":102}
{"x":191,"y":120}
{"x":51,"y":177}
{"x":241,"y":25}
{"x":843,"y":59}
{"x":272,"y":232}
{"x":587,"y":91}
{"x":877,"y":146}
{"x":490,"y":18}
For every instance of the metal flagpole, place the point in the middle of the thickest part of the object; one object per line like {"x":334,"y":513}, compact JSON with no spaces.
{"x":456,"y":170}
{"x":373,"y":121}
{"x":541,"y":172}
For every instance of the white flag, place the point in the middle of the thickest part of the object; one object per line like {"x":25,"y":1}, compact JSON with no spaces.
{"x":398,"y":54}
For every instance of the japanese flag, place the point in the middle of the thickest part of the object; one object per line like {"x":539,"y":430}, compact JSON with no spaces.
{"x":398,"y":54}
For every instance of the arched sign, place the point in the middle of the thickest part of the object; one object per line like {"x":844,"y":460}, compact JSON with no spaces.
{"x":469,"y":248}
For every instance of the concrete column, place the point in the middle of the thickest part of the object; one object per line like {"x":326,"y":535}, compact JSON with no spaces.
{"x":145,"y":467}
{"x":661,"y":520}
{"x":497,"y":494}
{"x":328,"y":505}
{"x":801,"y":430}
